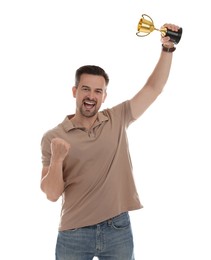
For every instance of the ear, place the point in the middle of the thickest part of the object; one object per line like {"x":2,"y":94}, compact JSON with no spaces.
{"x":74,"y":91}
{"x":105,"y":95}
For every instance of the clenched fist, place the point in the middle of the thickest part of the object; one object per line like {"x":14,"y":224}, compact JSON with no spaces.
{"x":59,"y":149}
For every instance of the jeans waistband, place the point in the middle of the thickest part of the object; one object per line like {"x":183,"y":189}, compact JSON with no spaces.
{"x":109,"y":221}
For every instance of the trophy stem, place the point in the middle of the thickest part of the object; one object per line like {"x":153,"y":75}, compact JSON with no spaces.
{"x":162,"y":31}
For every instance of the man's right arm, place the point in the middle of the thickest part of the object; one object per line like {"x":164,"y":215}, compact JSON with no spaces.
{"x":52,"y":183}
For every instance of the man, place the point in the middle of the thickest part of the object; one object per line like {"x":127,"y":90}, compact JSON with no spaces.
{"x":86,"y":161}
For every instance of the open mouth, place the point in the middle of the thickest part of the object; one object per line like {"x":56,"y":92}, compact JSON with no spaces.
{"x":88,"y":104}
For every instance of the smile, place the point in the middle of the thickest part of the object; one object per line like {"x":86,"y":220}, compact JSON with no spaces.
{"x":89,"y":104}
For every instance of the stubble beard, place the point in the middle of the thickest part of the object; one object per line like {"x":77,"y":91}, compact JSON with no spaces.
{"x":87,"y":113}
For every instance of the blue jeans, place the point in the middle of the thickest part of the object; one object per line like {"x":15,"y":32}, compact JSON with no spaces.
{"x":109,"y":240}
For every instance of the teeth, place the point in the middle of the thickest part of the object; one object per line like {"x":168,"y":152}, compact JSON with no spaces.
{"x":89,"y":103}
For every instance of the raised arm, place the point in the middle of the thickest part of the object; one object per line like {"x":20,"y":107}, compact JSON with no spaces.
{"x":156,"y":81}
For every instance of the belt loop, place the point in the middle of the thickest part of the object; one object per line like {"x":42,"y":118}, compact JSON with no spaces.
{"x":109,"y":222}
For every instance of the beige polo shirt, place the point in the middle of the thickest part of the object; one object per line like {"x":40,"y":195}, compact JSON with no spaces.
{"x":97,"y":171}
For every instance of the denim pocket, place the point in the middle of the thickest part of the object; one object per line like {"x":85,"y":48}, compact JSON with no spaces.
{"x":68,"y":232}
{"x":121,"y":222}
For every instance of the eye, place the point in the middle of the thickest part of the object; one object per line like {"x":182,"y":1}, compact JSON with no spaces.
{"x":85,"y":88}
{"x":99,"y":91}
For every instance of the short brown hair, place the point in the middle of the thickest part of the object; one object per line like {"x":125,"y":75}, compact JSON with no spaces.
{"x":90,"y":69}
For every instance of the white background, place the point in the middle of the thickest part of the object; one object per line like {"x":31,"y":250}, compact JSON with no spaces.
{"x":42,"y":43}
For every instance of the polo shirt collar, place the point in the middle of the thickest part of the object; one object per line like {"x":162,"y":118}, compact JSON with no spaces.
{"x":68,"y":125}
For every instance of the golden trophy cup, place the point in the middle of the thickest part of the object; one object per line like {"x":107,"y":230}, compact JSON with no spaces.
{"x":146,"y":26}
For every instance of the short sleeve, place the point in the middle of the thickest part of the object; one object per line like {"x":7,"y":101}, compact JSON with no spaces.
{"x":46,"y":150}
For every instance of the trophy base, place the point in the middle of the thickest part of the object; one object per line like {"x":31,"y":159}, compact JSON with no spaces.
{"x":175,"y":36}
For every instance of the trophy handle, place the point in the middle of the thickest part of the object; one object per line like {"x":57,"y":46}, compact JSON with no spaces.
{"x":149,"y":22}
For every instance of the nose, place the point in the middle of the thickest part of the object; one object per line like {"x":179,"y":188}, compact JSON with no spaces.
{"x":91,"y":95}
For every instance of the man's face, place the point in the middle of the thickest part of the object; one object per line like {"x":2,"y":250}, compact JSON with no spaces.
{"x":90,"y":94}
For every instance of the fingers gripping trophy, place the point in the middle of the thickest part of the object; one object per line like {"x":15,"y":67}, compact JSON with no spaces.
{"x":146,"y":26}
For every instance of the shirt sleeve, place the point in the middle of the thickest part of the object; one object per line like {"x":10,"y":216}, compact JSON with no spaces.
{"x":46,"y":149}
{"x":123,"y":112}
{"x":129,"y":119}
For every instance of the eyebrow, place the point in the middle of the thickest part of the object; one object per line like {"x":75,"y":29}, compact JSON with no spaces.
{"x":85,"y":86}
